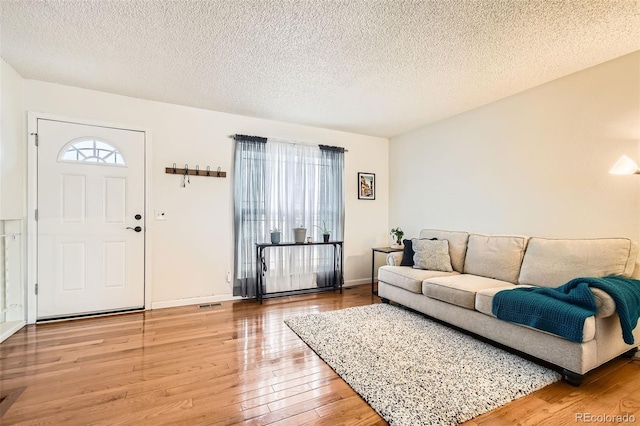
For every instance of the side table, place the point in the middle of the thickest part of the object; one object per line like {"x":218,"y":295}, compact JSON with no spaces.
{"x":261,"y":268}
{"x":375,"y":250}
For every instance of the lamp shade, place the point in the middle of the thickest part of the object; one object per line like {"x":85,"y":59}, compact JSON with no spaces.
{"x":624,"y":166}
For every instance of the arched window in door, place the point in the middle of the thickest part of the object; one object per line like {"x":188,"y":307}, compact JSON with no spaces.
{"x":91,"y":150}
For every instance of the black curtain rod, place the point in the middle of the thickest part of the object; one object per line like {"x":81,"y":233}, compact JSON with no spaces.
{"x":264,"y":140}
{"x":332,"y":148}
{"x":249,"y":138}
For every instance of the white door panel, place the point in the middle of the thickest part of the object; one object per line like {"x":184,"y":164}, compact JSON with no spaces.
{"x":90,"y":189}
{"x":115,"y":200}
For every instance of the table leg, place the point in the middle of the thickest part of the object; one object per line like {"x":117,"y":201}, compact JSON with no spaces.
{"x":258,"y":272}
{"x":336,"y":268}
{"x":260,"y":280}
{"x":341,"y":272}
{"x":373,"y":265}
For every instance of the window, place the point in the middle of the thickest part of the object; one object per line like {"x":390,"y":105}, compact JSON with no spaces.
{"x":91,"y":150}
{"x":286,"y":185}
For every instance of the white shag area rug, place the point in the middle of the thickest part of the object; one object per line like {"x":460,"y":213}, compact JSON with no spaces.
{"x":415,"y":371}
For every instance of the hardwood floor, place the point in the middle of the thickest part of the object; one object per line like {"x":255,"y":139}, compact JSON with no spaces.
{"x":237,"y":363}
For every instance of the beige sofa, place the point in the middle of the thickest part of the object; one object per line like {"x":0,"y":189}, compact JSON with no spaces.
{"x":485,"y":264}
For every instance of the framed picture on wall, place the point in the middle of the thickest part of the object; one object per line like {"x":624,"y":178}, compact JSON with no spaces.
{"x":366,"y":186}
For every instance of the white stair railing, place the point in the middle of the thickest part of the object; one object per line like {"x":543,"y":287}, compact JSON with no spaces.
{"x":11,"y":285}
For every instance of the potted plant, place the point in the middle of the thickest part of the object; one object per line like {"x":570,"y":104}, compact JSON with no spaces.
{"x":299,"y":234}
{"x":397,"y":235}
{"x":275,"y":236}
{"x":326,"y":233}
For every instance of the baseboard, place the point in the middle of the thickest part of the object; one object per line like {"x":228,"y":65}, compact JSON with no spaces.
{"x":10,"y":327}
{"x":226,"y":297}
{"x":360,"y":281}
{"x":193,"y":301}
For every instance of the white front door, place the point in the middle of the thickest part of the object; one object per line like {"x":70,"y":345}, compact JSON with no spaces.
{"x":91,"y":219}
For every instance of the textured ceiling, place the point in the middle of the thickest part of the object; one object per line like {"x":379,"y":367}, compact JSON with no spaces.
{"x":372,"y":67}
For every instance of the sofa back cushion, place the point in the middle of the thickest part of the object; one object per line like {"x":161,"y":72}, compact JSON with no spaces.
{"x":495,"y":256}
{"x":552,"y":262}
{"x":457,"y":244}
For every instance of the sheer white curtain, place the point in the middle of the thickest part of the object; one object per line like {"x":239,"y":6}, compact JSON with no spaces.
{"x":294,"y":185}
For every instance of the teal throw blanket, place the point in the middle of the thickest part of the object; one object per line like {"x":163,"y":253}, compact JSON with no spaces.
{"x":563,"y":310}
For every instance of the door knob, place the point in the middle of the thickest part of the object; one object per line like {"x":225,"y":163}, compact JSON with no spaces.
{"x":137,"y":228}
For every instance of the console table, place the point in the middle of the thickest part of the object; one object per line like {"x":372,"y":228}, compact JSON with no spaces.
{"x":261,"y":267}
{"x":375,"y":250}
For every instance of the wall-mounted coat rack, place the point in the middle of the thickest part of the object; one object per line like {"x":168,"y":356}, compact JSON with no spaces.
{"x":186,"y":171}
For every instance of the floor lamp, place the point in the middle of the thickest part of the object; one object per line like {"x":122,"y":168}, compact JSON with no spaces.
{"x":625,"y":166}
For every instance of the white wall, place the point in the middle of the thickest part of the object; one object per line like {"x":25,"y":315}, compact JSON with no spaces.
{"x":535,"y":163}
{"x":12,"y":150}
{"x":192,"y":250}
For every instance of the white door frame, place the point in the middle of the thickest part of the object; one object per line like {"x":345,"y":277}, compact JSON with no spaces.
{"x":32,"y":202}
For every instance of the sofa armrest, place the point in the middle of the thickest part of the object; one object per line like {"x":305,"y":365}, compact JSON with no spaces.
{"x":605,"y":304}
{"x":394,"y":259}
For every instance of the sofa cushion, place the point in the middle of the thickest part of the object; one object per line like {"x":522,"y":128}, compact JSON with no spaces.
{"x":457,"y":244}
{"x":460,"y":290}
{"x":407,"y":277}
{"x":484,"y":304}
{"x":495,"y":256}
{"x":407,"y":253}
{"x":604,"y":303}
{"x":432,"y":255}
{"x":484,"y":299}
{"x":553,"y":262}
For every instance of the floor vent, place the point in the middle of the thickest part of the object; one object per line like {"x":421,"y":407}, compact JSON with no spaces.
{"x":209,"y":305}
